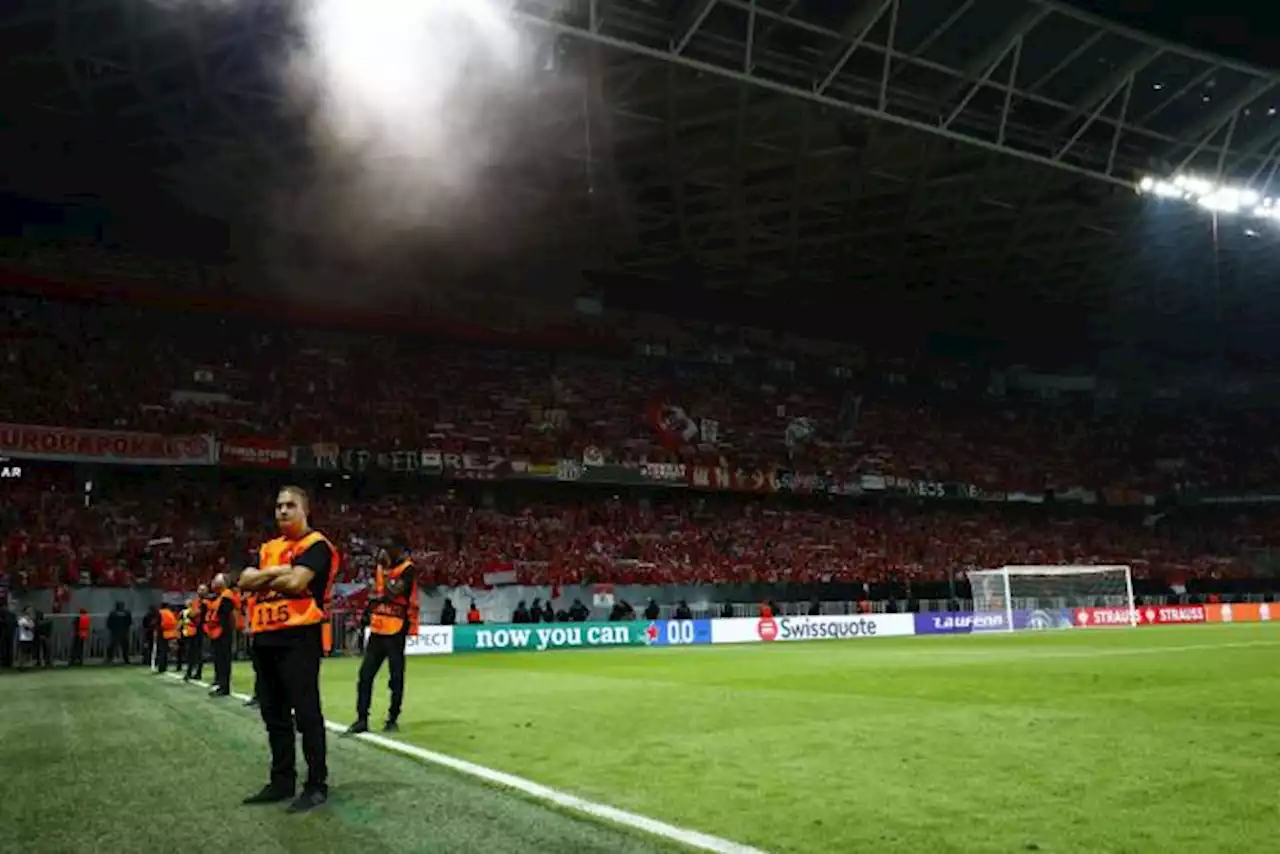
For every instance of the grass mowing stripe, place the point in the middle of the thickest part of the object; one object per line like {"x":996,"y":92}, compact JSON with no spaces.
{"x":684,"y":836}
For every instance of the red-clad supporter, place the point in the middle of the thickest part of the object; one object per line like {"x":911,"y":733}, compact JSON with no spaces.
{"x":664,"y":391}
{"x":673,"y":539}
{"x":774,"y":402}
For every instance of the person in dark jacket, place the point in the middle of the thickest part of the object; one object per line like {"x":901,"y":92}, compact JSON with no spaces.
{"x":652,"y":611}
{"x":521,"y":613}
{"x":683,"y":612}
{"x":44,"y":638}
{"x":119,"y":622}
{"x":448,"y":613}
{"x":150,"y":630}
{"x":548,"y":613}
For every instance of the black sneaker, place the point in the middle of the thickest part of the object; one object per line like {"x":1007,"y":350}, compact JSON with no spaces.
{"x":218,"y":692}
{"x":309,"y":800}
{"x":361,"y":725}
{"x":391,"y":726}
{"x":269,"y":795}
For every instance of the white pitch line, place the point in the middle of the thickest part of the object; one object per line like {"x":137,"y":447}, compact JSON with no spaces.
{"x":690,"y":838}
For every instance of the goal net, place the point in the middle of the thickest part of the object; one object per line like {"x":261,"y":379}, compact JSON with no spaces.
{"x":1040,"y":597}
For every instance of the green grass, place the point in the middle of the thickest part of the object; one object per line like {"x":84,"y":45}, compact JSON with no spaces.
{"x":1151,"y":740}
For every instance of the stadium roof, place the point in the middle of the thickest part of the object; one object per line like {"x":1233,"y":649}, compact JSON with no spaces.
{"x":963,"y":153}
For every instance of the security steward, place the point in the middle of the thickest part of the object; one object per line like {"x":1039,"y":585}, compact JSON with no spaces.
{"x":168,"y":634}
{"x":186,"y":636}
{"x":247,"y":601}
{"x":198,"y":607}
{"x":292,"y":585}
{"x":393,"y":616}
{"x":220,"y":629}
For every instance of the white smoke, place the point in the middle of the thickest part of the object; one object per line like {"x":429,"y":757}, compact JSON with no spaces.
{"x":425,"y":119}
{"x":417,"y":109}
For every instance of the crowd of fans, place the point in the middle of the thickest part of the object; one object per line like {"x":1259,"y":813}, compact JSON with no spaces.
{"x":747,"y":402}
{"x":174,"y":534}
{"x":646,"y":389}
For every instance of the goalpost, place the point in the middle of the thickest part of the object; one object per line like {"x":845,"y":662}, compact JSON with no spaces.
{"x":1038,"y":597}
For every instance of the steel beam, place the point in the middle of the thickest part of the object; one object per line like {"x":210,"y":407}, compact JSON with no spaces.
{"x":859,"y":25}
{"x":1182,"y":90}
{"x":883,"y":101}
{"x":1231,"y":132}
{"x":1227,"y":111}
{"x":1202,"y":143}
{"x":812,"y":96}
{"x":1124,"y":85}
{"x":692,"y":15}
{"x":1162,"y":45}
{"x":1115,"y":136}
{"x":1010,"y":88}
{"x":1067,"y":60}
{"x":922,"y":47}
{"x":1105,"y":89}
{"x":994,"y":51}
{"x":1016,"y":47}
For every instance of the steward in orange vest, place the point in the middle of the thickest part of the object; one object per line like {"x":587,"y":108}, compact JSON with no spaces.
{"x":393,"y":619}
{"x":220,"y":629}
{"x":198,"y":607}
{"x":168,"y":634}
{"x":81,"y":640}
{"x":292,"y":586}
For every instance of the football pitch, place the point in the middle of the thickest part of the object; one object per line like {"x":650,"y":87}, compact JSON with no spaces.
{"x":1148,"y":740}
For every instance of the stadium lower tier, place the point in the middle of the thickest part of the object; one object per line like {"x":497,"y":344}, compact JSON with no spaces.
{"x":171,"y":530}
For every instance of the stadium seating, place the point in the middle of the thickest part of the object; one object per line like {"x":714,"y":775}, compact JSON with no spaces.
{"x":175,"y":373}
{"x":680,"y":539}
{"x":124,"y":366}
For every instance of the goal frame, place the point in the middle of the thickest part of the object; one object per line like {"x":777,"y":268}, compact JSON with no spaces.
{"x":1009,"y":571}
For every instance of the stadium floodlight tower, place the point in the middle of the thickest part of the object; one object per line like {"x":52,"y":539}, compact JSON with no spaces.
{"x":1040,"y":592}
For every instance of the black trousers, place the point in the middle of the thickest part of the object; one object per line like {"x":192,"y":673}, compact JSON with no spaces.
{"x":77,"y":650}
{"x":195,"y":657}
{"x":118,"y":641}
{"x":389,"y":648}
{"x":288,"y":688}
{"x":222,"y":663}
{"x":162,"y":655}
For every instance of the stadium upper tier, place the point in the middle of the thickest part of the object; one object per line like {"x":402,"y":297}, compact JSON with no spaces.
{"x":744,"y":402}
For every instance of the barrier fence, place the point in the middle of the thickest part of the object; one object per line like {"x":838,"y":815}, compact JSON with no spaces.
{"x":348,"y":635}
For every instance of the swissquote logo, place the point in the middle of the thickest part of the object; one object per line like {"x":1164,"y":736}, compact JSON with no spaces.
{"x":767,"y":628}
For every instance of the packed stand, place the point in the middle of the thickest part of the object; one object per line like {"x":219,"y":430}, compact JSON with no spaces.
{"x":174,"y":533}
{"x":748,"y":400}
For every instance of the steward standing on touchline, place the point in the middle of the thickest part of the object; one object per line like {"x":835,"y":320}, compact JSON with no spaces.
{"x":393,"y":618}
{"x":291,"y":585}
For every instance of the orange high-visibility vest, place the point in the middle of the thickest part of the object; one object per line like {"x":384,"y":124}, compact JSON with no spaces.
{"x":273,"y":610}
{"x":237,"y":607}
{"x":82,"y":627}
{"x":326,"y":636}
{"x":212,"y":624}
{"x":189,"y":623}
{"x":168,"y":624}
{"x":391,"y":613}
